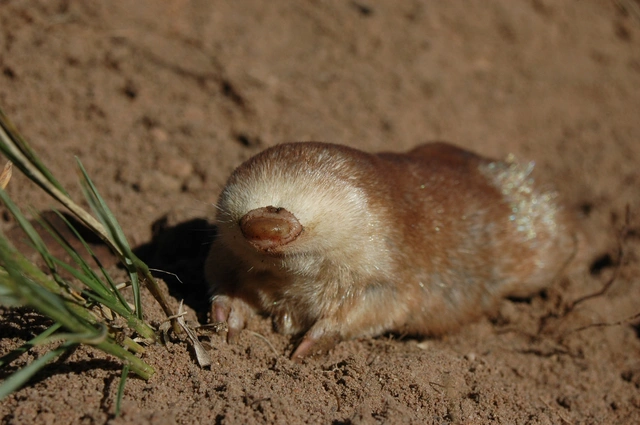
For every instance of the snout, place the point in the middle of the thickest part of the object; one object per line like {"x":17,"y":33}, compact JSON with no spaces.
{"x":270,"y":228}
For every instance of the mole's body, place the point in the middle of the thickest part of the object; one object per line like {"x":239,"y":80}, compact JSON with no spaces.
{"x":339,"y":243}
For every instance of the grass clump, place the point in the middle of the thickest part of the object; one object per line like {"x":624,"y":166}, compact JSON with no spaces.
{"x":84,"y":307}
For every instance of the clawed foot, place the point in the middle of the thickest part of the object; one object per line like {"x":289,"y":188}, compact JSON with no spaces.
{"x":234,"y":311}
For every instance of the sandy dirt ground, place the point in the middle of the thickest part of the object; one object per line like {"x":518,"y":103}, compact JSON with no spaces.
{"x":161,"y":100}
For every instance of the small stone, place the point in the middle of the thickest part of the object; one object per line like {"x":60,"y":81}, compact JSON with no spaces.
{"x":177,"y":167}
{"x":424,"y":345}
{"x":158,"y":181}
{"x":159,"y":135}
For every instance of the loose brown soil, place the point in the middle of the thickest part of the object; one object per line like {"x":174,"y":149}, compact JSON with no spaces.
{"x":162,"y":99}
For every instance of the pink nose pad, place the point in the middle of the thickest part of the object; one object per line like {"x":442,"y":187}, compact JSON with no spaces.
{"x":269,"y":228}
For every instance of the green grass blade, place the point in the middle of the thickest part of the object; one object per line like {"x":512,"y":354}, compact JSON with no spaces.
{"x":136,"y":364}
{"x":80,"y":261}
{"x":85,"y":273}
{"x":123,"y":380}
{"x":7,"y":296}
{"x":27,"y":274}
{"x":46,"y":302}
{"x":30,"y":231}
{"x":55,"y":286}
{"x":16,"y":149}
{"x":114,"y":230}
{"x":113,"y":300}
{"x":14,"y":354}
{"x":105,"y":297}
{"x":22,"y":376}
{"x":78,"y":320}
{"x":132,"y":262}
{"x":144,"y":330}
{"x":102,"y":210}
{"x":23,"y":283}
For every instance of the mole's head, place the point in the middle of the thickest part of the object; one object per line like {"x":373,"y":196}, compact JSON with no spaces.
{"x":299,"y":200}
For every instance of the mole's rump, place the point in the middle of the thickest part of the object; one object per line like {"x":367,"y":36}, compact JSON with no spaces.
{"x":339,"y":243}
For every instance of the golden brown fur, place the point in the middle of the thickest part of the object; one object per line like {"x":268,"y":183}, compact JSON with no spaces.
{"x":420,"y":242}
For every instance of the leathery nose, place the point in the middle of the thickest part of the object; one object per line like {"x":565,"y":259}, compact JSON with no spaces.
{"x":269,"y":228}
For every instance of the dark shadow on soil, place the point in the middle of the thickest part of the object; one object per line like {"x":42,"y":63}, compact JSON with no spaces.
{"x":176,"y":254}
{"x":62,"y":366}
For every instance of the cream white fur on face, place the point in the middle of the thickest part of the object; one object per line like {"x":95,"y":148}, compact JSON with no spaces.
{"x":328,"y":216}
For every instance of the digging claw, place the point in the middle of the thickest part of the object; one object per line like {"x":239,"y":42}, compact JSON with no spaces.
{"x":220,"y":308}
{"x":303,"y":350}
{"x":233,"y":311}
{"x":314,"y":342}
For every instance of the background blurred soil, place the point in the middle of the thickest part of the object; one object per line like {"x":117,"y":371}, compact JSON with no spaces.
{"x":162,"y":99}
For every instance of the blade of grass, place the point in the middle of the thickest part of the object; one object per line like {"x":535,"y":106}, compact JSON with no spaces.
{"x":24,"y":269}
{"x":114,"y":230}
{"x":22,"y":376}
{"x":92,"y":337}
{"x":28,"y":229}
{"x":14,"y":354}
{"x":61,"y":286}
{"x":71,"y":316}
{"x":103,"y":295}
{"x":85,"y":273}
{"x":23,"y":283}
{"x":14,"y":147}
{"x":123,"y":380}
{"x":18,"y":151}
{"x":132,"y":262}
{"x":80,"y":261}
{"x":7,"y":297}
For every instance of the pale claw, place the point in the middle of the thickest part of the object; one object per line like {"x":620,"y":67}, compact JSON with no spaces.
{"x":234,"y":311}
{"x":220,"y":308}
{"x":317,"y":340}
{"x":303,"y":350}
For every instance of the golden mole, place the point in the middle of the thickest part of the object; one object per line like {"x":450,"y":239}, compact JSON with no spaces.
{"x":338,"y":243}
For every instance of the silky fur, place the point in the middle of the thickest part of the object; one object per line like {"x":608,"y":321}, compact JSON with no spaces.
{"x":419,"y":242}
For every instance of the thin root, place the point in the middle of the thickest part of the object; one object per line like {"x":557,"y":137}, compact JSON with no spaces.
{"x":624,"y":232}
{"x":267,"y":341}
